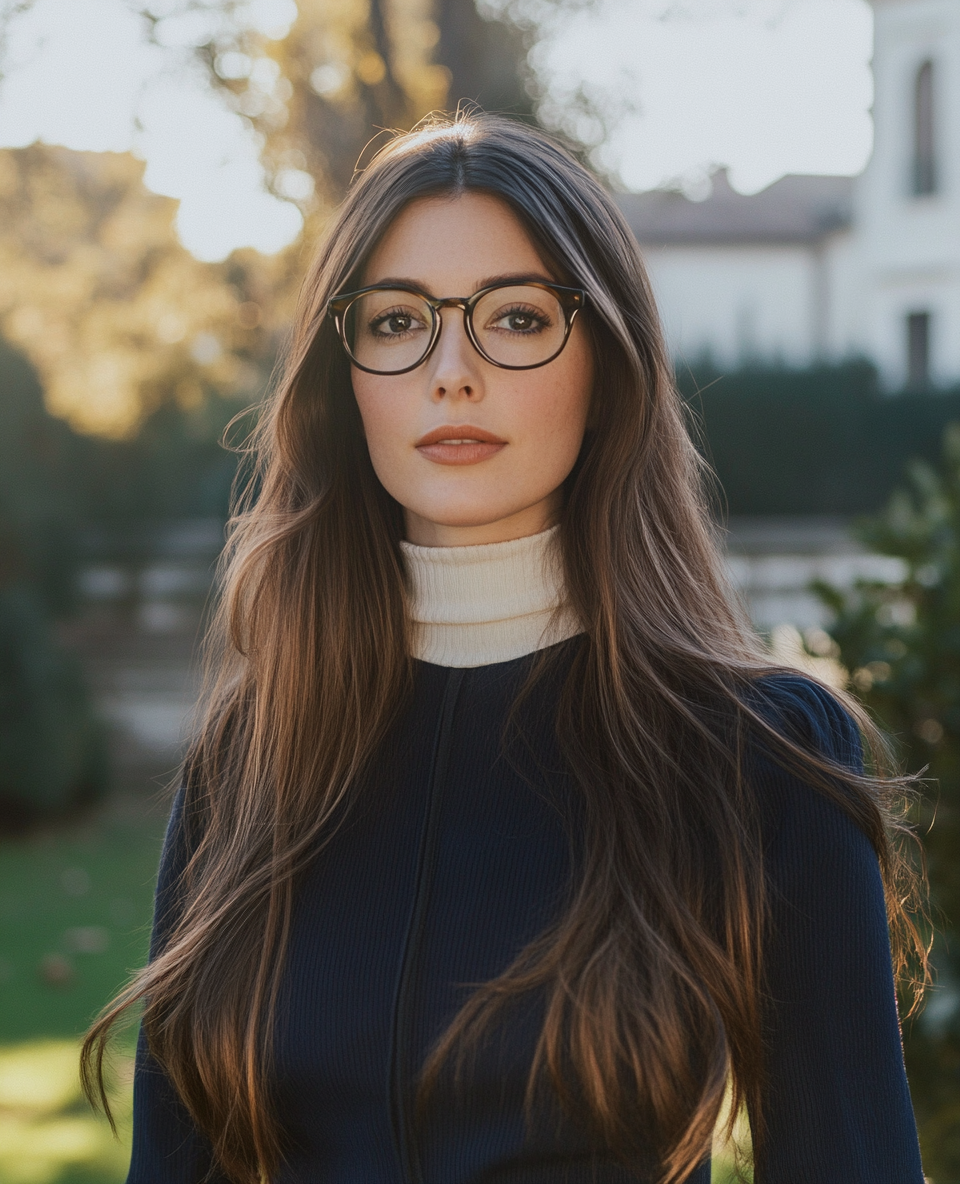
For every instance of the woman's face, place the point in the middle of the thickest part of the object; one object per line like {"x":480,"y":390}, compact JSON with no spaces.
{"x":514,"y":435}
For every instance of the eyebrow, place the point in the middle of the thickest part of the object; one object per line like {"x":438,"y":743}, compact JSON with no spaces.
{"x":490,"y":281}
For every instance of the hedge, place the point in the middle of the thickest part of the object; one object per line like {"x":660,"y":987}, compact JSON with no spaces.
{"x":820,"y":441}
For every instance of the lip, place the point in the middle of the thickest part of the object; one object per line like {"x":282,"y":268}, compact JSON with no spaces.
{"x":477,"y":444}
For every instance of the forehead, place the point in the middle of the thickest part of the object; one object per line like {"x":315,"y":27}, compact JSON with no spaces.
{"x":452,"y":246}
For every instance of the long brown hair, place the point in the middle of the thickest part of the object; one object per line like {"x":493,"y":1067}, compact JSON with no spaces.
{"x":653,"y":977}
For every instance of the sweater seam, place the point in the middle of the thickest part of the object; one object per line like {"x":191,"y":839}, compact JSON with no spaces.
{"x":404,"y":1135}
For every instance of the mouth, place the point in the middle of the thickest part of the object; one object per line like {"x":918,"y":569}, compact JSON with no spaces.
{"x":459,"y":444}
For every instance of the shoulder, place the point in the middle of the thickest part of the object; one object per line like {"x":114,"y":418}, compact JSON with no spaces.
{"x":810,"y":715}
{"x":817,"y":804}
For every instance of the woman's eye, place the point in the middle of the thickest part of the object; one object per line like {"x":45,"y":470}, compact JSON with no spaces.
{"x":395,"y":324}
{"x":520,"y":320}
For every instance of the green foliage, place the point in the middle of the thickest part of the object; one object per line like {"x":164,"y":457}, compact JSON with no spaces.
{"x":819,"y":441}
{"x":37,"y":514}
{"x":66,"y":498}
{"x":52,"y":747}
{"x":52,"y":751}
{"x":901,"y":643}
{"x":175,"y":467}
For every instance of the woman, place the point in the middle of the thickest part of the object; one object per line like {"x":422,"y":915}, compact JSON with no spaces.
{"x":502,"y":847}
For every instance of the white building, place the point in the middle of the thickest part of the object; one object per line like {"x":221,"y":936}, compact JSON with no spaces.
{"x":826,"y":268}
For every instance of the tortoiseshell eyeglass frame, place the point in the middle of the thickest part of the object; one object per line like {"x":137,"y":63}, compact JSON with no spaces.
{"x":571,"y":301}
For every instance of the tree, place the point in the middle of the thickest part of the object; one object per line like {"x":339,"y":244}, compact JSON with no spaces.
{"x":9,"y":11}
{"x":345,"y":72}
{"x":95,"y":286}
{"x":901,"y":644}
{"x":485,"y":58}
{"x":115,"y":314}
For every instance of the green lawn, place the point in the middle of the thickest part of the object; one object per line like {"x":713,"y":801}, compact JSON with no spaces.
{"x":75,"y":909}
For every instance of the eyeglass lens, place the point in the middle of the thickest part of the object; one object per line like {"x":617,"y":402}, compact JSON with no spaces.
{"x":391,"y":330}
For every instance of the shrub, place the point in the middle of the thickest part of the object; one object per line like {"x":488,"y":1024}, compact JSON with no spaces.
{"x":901,"y":644}
{"x":52,"y":747}
{"x":819,"y":441}
{"x":52,"y":750}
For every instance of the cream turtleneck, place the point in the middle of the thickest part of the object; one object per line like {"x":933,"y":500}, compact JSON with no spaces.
{"x":472,"y":606}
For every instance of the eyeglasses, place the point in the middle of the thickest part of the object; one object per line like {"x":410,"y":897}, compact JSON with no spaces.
{"x":517,"y":326}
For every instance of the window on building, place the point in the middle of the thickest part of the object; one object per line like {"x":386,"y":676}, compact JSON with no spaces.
{"x":918,"y":350}
{"x":924,"y":156}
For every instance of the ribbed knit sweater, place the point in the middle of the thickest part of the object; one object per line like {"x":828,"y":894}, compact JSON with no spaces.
{"x":472,"y":606}
{"x":460,"y":850}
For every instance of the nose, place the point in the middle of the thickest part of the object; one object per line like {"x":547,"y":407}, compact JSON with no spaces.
{"x":455,"y":370}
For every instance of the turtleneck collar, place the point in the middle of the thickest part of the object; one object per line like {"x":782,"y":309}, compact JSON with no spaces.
{"x":472,"y":606}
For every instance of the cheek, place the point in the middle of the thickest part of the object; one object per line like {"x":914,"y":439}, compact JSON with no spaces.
{"x":385,"y":416}
{"x":562,"y":406}
{"x":381,"y":413}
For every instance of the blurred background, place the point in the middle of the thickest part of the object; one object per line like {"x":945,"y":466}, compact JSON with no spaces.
{"x":791,"y":169}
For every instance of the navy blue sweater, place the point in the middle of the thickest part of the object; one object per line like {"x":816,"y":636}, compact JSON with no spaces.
{"x":454,"y":858}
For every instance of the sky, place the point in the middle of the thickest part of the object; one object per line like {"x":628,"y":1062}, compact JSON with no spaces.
{"x":764,"y":87}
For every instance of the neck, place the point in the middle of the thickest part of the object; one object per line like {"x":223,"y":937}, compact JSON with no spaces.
{"x":476,"y":605}
{"x":535,"y":519}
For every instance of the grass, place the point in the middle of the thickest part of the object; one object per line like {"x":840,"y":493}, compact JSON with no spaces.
{"x":47,"y":1131}
{"x":75,"y":908}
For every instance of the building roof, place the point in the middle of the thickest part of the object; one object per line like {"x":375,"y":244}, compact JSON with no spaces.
{"x":795,"y":209}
